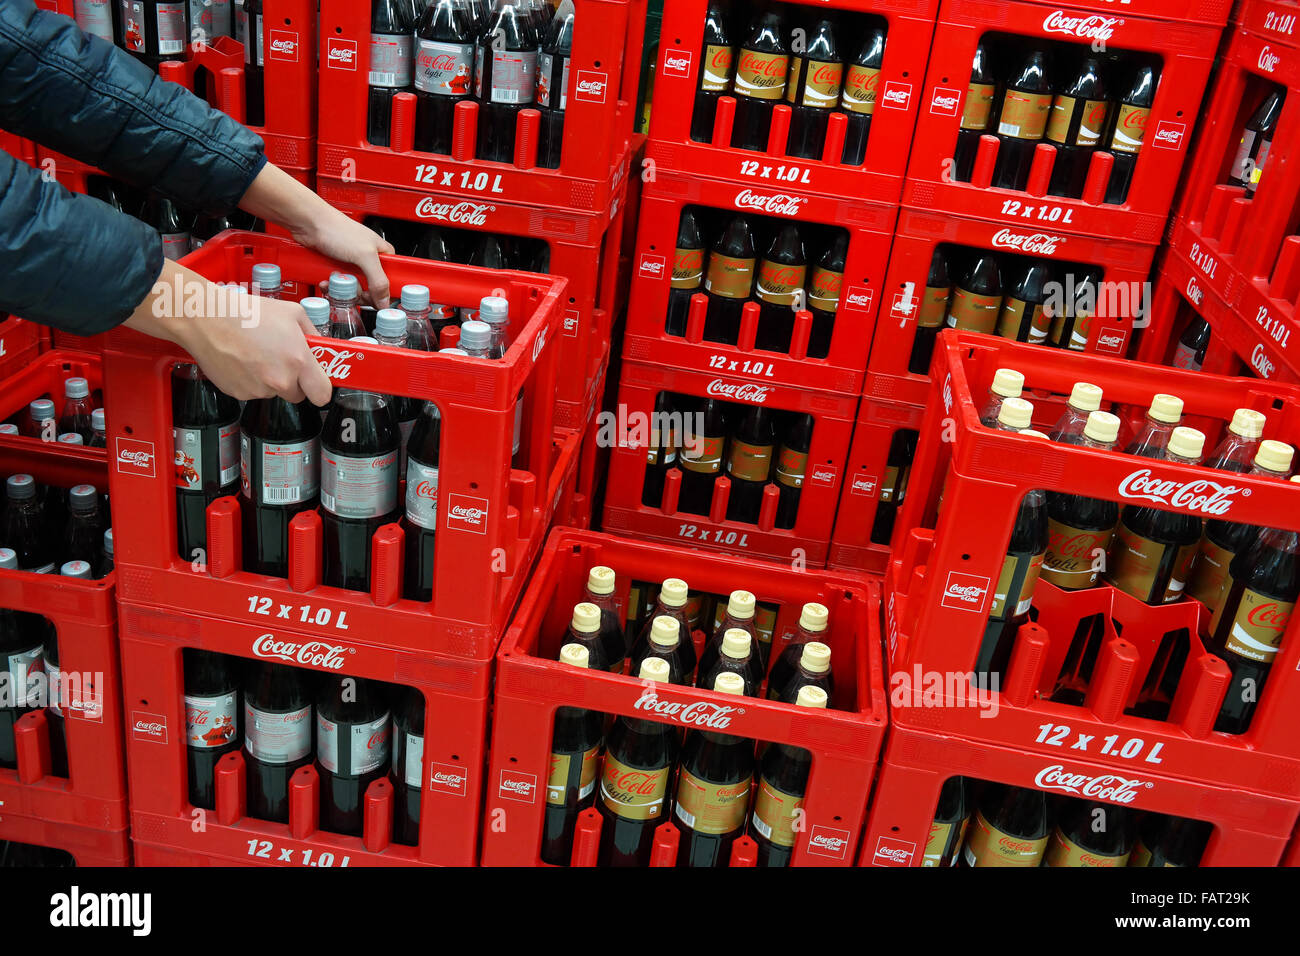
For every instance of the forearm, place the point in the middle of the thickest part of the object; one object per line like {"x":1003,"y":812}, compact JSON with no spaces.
{"x":277,"y":197}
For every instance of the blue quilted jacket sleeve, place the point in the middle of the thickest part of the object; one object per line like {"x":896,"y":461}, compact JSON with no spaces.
{"x":68,"y":260}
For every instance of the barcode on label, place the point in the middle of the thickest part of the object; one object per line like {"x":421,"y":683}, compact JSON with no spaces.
{"x":281,"y":496}
{"x":687,"y":817}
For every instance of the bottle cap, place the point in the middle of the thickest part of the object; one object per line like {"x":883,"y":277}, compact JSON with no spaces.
{"x":810,"y":696}
{"x":655,"y":669}
{"x":317,"y":309}
{"x":390,"y":323}
{"x":415,"y":298}
{"x":729,"y":683}
{"x":1008,"y":383}
{"x":1166,"y":408}
{"x":1016,"y":413}
{"x":108,"y":540}
{"x":41,"y":409}
{"x":741,"y":605}
{"x":1247,"y":423}
{"x":364,"y":340}
{"x":1274,"y":455}
{"x":600,"y":580}
{"x":97,"y":421}
{"x":674,"y":592}
{"x":1033,"y":434}
{"x":816,"y":657}
{"x":8,"y":559}
{"x":1186,"y":442}
{"x":1102,"y":427}
{"x":266,"y":277}
{"x":449,"y":337}
{"x":493,"y":310}
{"x":813,"y":617}
{"x":665,"y":631}
{"x":1085,"y":396}
{"x":83,"y":498}
{"x":574,"y":655}
{"x":8,"y":429}
{"x":75,"y":569}
{"x":343,"y":286}
{"x":453,"y":352}
{"x":1295,"y":478}
{"x":586,"y":618}
{"x":736,"y":643}
{"x":475,"y":336}
{"x":71,"y":438}
{"x":76,"y":387}
{"x":20,"y":487}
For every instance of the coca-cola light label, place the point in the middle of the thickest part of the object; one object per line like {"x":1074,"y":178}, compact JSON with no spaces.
{"x":210,"y":722}
{"x":188,"y":445}
{"x":95,"y":17}
{"x":443,"y":68}
{"x":176,"y":245}
{"x":390,"y":60}
{"x":361,"y":487}
{"x":290,"y":471}
{"x":422,"y":494}
{"x":133,"y":25}
{"x":277,"y":736}
{"x":350,"y":750}
{"x":19,"y":670}
{"x":513,"y":76}
{"x":552,"y":91}
{"x":412,"y":770}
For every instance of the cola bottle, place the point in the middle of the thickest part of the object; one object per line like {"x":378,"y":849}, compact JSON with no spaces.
{"x":392,"y":24}
{"x":85,"y":529}
{"x":813,"y":89}
{"x":1090,"y":834}
{"x":1075,"y":127}
{"x":77,"y":409}
{"x":1127,"y":131}
{"x":674,"y":595}
{"x":358,"y":488}
{"x":667,"y":638}
{"x":319,"y":314}
{"x":105,"y":565}
{"x":1256,"y":140}
{"x":40,"y":421}
{"x":737,"y":653}
{"x":59,"y":695}
{"x":1013,"y":596}
{"x":494,"y":310}
{"x":575,"y":754}
{"x":212,"y":719}
{"x":700,"y":459}
{"x":737,"y":613}
{"x":155,"y":31}
{"x":1079,"y":528}
{"x":951,"y":817}
{"x":585,"y":631}
{"x":553,"y":85}
{"x":931,"y":313}
{"x":713,"y":785}
{"x":782,"y":784}
{"x":279,"y":472}
{"x":1010,"y":828}
{"x":893,"y":488}
{"x":688,"y":271}
{"x":749,"y":462}
{"x":206,"y":227}
{"x":1022,"y":120}
{"x":790,"y":669}
{"x":824,"y":294}
{"x":433,"y":245}
{"x":600,"y":593}
{"x":420,"y":333}
{"x":977,"y":296}
{"x":161,"y":213}
{"x":1153,"y":550}
{"x":634,"y":782}
{"x":1163,"y":416}
{"x":408,"y":765}
{"x":390,"y":329}
{"x":762,"y":66}
{"x":98,"y":430}
{"x":505,"y":78}
{"x":1192,"y":345}
{"x":205,"y":435}
{"x":781,"y":278}
{"x":249,"y":27}
{"x":1237,"y":450}
{"x":345,"y":315}
{"x":976,"y":116}
{"x":1169,"y":841}
{"x":277,"y":736}
{"x":444,"y":60}
{"x":353,"y":739}
{"x":95,"y":17}
{"x":792,"y":468}
{"x":1023,"y":318}
{"x":661,"y":452}
{"x":1085,"y":398}
{"x":420,"y":521}
{"x":715,"y":71}
{"x":729,"y":281}
{"x":858,"y":97}
{"x":21,"y":657}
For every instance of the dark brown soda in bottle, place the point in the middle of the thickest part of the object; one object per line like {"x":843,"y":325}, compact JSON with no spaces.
{"x":977,"y":297}
{"x":716,"y":63}
{"x":279,"y":457}
{"x":736,"y":653}
{"x":823,"y":300}
{"x":408,"y":765}
{"x":601,"y":582}
{"x":713,"y":787}
{"x":213,"y":719}
{"x":762,"y":69}
{"x":688,"y":273}
{"x":792,"y":468}
{"x":1090,"y":834}
{"x":1128,"y":129}
{"x":729,"y":281}
{"x":893,"y":487}
{"x":420,"y":520}
{"x":205,"y":436}
{"x":670,"y":640}
{"x":813,"y":621}
{"x":353,"y":742}
{"x":22,"y":637}
{"x":1022,"y":121}
{"x":781,"y":278}
{"x":1075,"y":128}
{"x":930,"y":314}
{"x":505,"y":78}
{"x":661,"y":452}
{"x":444,"y":64}
{"x":1010,"y":828}
{"x":392,"y":25}
{"x":1022,"y":317}
{"x":700,"y":459}
{"x":749,"y":463}
{"x":737,"y":613}
{"x":951,"y":817}
{"x":1079,"y":528}
{"x":278,"y":730}
{"x":250,"y":30}
{"x":553,"y":85}
{"x":859,"y":96}
{"x":1169,"y":841}
{"x":816,"y":76}
{"x":1013,"y":596}
{"x":976,"y":115}
{"x":575,"y":754}
{"x":774,"y":823}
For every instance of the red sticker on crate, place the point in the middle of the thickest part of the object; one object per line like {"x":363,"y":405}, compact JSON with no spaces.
{"x":1169,"y":135}
{"x":1112,"y":341}
{"x":944,"y":102}
{"x":591,"y":86}
{"x":828,"y":842}
{"x":341,"y":54}
{"x":284,"y":46}
{"x":857,"y":296}
{"x":965,"y":592}
{"x":149,"y":727}
{"x":135,"y":457}
{"x":467,"y":513}
{"x":518,"y":786}
{"x":677,"y":63}
{"x":892,"y":852}
{"x":448,"y":778}
{"x":896,"y":95}
{"x":652,"y":266}
{"x":823,"y":475}
{"x":865,"y":485}
{"x":571,"y":322}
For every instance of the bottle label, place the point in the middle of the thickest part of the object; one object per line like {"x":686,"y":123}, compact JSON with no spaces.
{"x":703,"y":454}
{"x":514,"y":76}
{"x":1130,"y":128}
{"x":1185,"y":357}
{"x":761,"y":76}
{"x":188,"y":445}
{"x":390,"y":60}
{"x":1024,"y":599}
{"x":1209,"y":582}
{"x":749,"y":462}
{"x":133,"y":26}
{"x":558,"y":782}
{"x":1024,"y":115}
{"x":1260,"y":159}
{"x":940,"y":839}
{"x":978,"y":106}
{"x":729,"y":277}
{"x":1072,"y":555}
{"x":413,"y":748}
{"x":94,"y":16}
{"x":171,"y":28}
{"x":775,"y":812}
{"x":934,"y":306}
{"x":210,"y":721}
{"x":688,"y":268}
{"x":975,"y":313}
{"x":1065,"y":852}
{"x":422,"y":494}
{"x":1257,"y":626}
{"x":1135,"y":565}
{"x":791,"y":466}
{"x":1012,"y":318}
{"x":20,"y":666}
{"x":861,"y":85}
{"x":277,"y":736}
{"x":351,"y":750}
{"x":54,"y":681}
{"x":717,"y":68}
{"x":822,"y":88}
{"x":824,"y":296}
{"x":713,"y":808}
{"x":1091,"y":121}
{"x":176,"y":245}
{"x":1080,"y":327}
{"x":662,"y":451}
{"x":358,"y":487}
{"x":989,"y":846}
{"x":242,"y":34}
{"x":290,"y":473}
{"x":633,"y":794}
{"x":443,"y":68}
{"x":220,"y":26}
{"x":890,"y":483}
{"x":1040,"y":325}
{"x":778,"y":282}
{"x":549,"y":93}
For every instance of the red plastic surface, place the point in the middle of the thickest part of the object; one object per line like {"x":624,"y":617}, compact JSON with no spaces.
{"x":20,"y":341}
{"x":43,"y":376}
{"x":1275,"y":19}
{"x":88,"y":847}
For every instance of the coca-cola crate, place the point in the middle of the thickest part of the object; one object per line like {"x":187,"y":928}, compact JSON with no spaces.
{"x":88,"y":846}
{"x":940,"y":578}
{"x":869,"y":227}
{"x":43,"y":377}
{"x":84,"y":616}
{"x":1275,"y":19}
{"x":607,"y":37}
{"x":1250,"y":829}
{"x":20,"y":342}
{"x":531,"y":684}
{"x":1124,"y":268}
{"x":495,"y":517}
{"x":456,"y":693}
{"x":875,"y":485}
{"x":909,"y":25}
{"x":593,"y":462}
{"x":807,"y":543}
{"x":583,"y":249}
{"x":18,"y":148}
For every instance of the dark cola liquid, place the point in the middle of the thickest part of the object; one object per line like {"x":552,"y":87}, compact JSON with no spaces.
{"x":353,"y":740}
{"x":154,"y":31}
{"x":444,"y":64}
{"x":782,"y":782}
{"x":20,"y":657}
{"x":249,"y":29}
{"x":205,"y":436}
{"x":391,"y":27}
{"x":571,"y":787}
{"x":408,"y":765}
{"x":213,"y":719}
{"x":421,"y":518}
{"x":278,"y":736}
{"x":635,"y":789}
{"x":279,"y":453}
{"x":713,"y":790}
{"x":505,"y":79}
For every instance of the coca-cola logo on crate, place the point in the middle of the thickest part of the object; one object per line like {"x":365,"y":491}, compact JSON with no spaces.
{"x":774,"y":204}
{"x":828,"y":842}
{"x":467,"y":513}
{"x":517,"y":786}
{"x":1268,"y":60}
{"x":1194,"y":293}
{"x":864,"y":485}
{"x":738,"y":391}
{"x":341,"y":54}
{"x":151,"y":728}
{"x":694,"y":713}
{"x":336,"y":363}
{"x":448,"y":778}
{"x":943,"y":101}
{"x":1169,"y":135}
{"x":1106,"y":786}
{"x":591,"y":86}
{"x":283,"y":46}
{"x":823,"y":475}
{"x":1041,"y":243}
{"x":1259,"y":361}
{"x":677,"y":63}
{"x":135,"y":457}
{"x":1095,"y":27}
{"x":965,"y":592}
{"x":309,"y":654}
{"x":896,"y":95}
{"x":1112,"y":341}
{"x":1200,"y":494}
{"x":892,"y":852}
{"x":462,"y":213}
{"x":653,"y":266}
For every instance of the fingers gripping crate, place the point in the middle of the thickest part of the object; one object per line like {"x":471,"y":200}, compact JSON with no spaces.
{"x":494,"y":518}
{"x":531,"y":684}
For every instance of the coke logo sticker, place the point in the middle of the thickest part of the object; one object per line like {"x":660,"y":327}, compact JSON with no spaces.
{"x":1095,"y":27}
{"x":320,"y":654}
{"x":857,"y":296}
{"x":896,"y":95}
{"x":823,"y":475}
{"x":677,"y":63}
{"x":135,"y":457}
{"x":864,"y":485}
{"x":1106,"y":786}
{"x":467,"y":513}
{"x":892,"y":852}
{"x":335,"y":362}
{"x":1039,"y":242}
{"x":1169,"y":135}
{"x":739,"y":391}
{"x":694,"y":713}
{"x":1200,"y":494}
{"x":1268,"y":60}
{"x":463,"y":213}
{"x":341,"y":54}
{"x":448,"y":778}
{"x":591,"y":86}
{"x":1194,"y":293}
{"x":947,"y":393}
{"x":517,"y":786}
{"x":652,"y":266}
{"x":1112,"y":341}
{"x":1259,"y":361}
{"x":828,"y":842}
{"x":776,"y":204}
{"x":284,"y":46}
{"x":943,"y":102}
{"x":965,"y":592}
{"x":151,"y":728}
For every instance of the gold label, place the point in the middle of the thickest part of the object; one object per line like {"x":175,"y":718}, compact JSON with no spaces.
{"x":703,"y":454}
{"x":791,"y":466}
{"x":729,"y":277}
{"x":1025,"y":597}
{"x":778,"y":282}
{"x":989,"y":846}
{"x":1071,"y":561}
{"x":1130,"y":128}
{"x":1024,"y":115}
{"x":823,"y":86}
{"x":775,"y":812}
{"x":1090,"y":123}
{"x":825,"y":292}
{"x":934,"y":307}
{"x":761,"y":76}
{"x":717,"y":68}
{"x":713,"y":808}
{"x":1258,"y":626}
{"x":1012,"y":318}
{"x":633,"y":794}
{"x":661,"y":451}
{"x":979,"y":104}
{"x":939,"y":839}
{"x":890,"y":484}
{"x":558,"y":782}
{"x":688,"y":268}
{"x":1065,"y":852}
{"x":1135,"y":563}
{"x":974,"y":313}
{"x":1210,"y":574}
{"x":749,"y":462}
{"x":860,"y":89}
{"x":1078,"y":334}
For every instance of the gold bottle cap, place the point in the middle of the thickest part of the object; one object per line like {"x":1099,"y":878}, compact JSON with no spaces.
{"x":600,"y":580}
{"x":729,"y":683}
{"x":575,"y":655}
{"x":665,"y":631}
{"x":1102,"y":427}
{"x":655,"y":669}
{"x":816,"y":657}
{"x":1034,"y":434}
{"x":1186,"y":442}
{"x":814,"y":617}
{"x":1166,"y":408}
{"x":1008,"y":383}
{"x":741,"y":605}
{"x":1274,"y":455}
{"x":810,"y":696}
{"x":1016,"y":413}
{"x":586,"y":618}
{"x":1295,"y":478}
{"x":674,"y":592}
{"x":735,"y":643}
{"x":1247,"y":423}
{"x":1085,"y":396}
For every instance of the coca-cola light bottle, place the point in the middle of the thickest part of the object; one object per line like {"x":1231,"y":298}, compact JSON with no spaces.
{"x":345,"y":313}
{"x":553,"y":85}
{"x":249,"y":27}
{"x":24,"y":528}
{"x":21,"y":647}
{"x":213,"y":719}
{"x":277,"y":736}
{"x":77,"y":409}
{"x":279,"y":470}
{"x":205,"y":438}
{"x":505,"y":78}
{"x":55,"y":718}
{"x":444,"y":61}
{"x":154,"y":31}
{"x":94,"y":17}
{"x":392,"y":24}
{"x":421,"y":519}
{"x":353,"y":736}
{"x":408,"y":765}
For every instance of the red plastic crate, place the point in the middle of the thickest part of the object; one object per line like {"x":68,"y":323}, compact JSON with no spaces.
{"x":1249,"y":829}
{"x":1275,"y":19}
{"x":87,"y":846}
{"x":584,"y":250}
{"x":44,"y":375}
{"x":869,"y":226}
{"x":20,"y":342}
{"x":868,"y":474}
{"x":18,"y":148}
{"x":807,"y":543}
{"x":910,"y":24}
{"x":919,"y":233}
{"x":597,"y":126}
{"x":496,"y":518}
{"x":593,"y":462}
{"x":162,"y":818}
{"x":531,"y":684}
